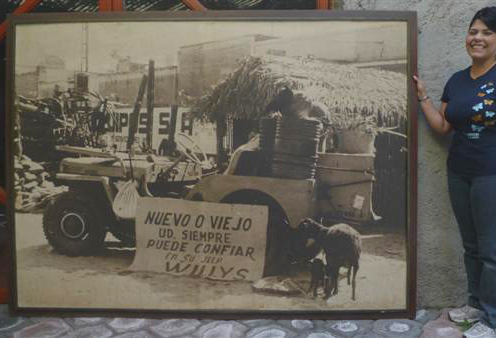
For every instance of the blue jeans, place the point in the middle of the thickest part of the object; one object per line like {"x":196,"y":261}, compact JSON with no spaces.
{"x":474,"y":204}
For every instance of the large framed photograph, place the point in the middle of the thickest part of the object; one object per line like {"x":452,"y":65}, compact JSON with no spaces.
{"x":247,"y":163}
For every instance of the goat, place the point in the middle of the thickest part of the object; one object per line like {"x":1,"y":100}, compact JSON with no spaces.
{"x":342,"y":246}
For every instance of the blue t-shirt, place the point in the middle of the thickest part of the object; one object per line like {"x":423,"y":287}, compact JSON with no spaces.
{"x":471,"y":111}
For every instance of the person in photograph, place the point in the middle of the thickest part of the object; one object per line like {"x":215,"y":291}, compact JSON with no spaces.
{"x":168,"y":147}
{"x":468,"y":111}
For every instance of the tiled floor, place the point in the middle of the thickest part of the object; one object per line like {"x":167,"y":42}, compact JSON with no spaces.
{"x":428,"y":324}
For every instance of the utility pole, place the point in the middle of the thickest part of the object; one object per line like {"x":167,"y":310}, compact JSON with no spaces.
{"x":85,"y":49}
{"x":150,"y":98}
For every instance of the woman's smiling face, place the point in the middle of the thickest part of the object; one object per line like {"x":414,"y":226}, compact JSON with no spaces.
{"x":481,"y":42}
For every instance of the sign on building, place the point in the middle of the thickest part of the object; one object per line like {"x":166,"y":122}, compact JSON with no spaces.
{"x":201,"y":133}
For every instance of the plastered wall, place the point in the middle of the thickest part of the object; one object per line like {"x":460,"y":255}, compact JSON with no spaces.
{"x":442,"y":25}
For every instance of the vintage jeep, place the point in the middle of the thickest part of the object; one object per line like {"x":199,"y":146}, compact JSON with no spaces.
{"x":77,"y":221}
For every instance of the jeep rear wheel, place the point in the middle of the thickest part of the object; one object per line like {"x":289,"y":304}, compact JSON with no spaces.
{"x":73,"y":226}
{"x":278,"y":231}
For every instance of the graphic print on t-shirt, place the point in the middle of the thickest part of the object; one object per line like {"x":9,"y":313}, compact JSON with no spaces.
{"x":486,"y":110}
{"x":471,"y":112}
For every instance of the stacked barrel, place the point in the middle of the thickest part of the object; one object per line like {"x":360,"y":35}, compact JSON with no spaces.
{"x":266,"y":143}
{"x":293,"y":151}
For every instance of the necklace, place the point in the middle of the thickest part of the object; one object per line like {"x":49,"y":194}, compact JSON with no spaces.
{"x":476,"y":74}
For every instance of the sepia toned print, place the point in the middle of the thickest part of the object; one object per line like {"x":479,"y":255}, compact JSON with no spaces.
{"x":212,"y":165}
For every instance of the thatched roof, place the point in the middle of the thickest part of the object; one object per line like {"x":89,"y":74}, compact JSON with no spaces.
{"x":338,"y":93}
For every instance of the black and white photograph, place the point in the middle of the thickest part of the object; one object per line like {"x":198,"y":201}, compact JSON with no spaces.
{"x":213,"y":162}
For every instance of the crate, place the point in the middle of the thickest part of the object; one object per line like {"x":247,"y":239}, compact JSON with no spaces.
{"x":345,"y":185}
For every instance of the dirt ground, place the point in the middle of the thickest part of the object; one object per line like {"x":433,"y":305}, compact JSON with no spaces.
{"x":46,"y":279}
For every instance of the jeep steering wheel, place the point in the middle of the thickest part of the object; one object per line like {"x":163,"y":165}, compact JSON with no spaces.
{"x":189,"y":148}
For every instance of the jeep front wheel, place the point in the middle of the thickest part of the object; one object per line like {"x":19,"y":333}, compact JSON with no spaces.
{"x":72,"y":225}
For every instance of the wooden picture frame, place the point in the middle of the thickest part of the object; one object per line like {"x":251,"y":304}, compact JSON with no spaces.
{"x":306,"y":126}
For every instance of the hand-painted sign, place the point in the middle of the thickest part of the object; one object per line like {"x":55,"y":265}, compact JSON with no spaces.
{"x":200,"y":239}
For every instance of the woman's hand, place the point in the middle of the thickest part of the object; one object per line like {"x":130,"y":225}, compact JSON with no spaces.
{"x":421,"y":91}
{"x":435,"y":118}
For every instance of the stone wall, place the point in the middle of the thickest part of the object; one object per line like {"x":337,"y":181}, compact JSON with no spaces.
{"x":442,"y":25}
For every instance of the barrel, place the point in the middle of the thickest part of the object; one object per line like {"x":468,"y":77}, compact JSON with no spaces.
{"x":295,"y":148}
{"x":267,"y":128}
{"x":267,"y":134}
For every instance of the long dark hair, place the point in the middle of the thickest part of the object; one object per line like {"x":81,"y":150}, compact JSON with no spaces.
{"x":488,"y":16}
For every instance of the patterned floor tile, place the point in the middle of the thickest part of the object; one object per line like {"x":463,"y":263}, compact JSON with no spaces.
{"x":221,"y":329}
{"x":270,"y":331}
{"x":137,"y":334}
{"x":48,"y":328}
{"x":175,"y":327}
{"x":84,"y":321}
{"x":122,"y":325}
{"x":349,"y":328}
{"x":99,"y":331}
{"x":398,"y":328}
{"x":317,"y":334}
{"x":424,"y":316}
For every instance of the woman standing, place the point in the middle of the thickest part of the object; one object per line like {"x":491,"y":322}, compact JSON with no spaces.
{"x":469,"y":110}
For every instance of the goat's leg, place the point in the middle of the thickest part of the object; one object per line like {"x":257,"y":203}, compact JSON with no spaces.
{"x":327,"y":288}
{"x":310,"y":287}
{"x":348,"y":274}
{"x":335,"y":278}
{"x":353,"y":282}
{"x":312,"y":282}
{"x":322,"y":283}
